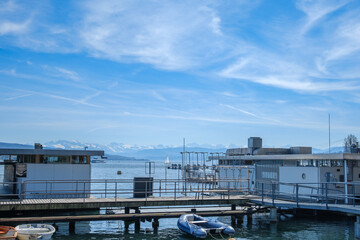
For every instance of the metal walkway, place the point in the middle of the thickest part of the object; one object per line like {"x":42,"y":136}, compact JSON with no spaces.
{"x":341,"y":208}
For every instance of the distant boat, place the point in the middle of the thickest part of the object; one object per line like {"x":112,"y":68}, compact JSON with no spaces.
{"x":200,"y":227}
{"x":8,"y":233}
{"x":167,"y":161}
{"x":35,"y":231}
{"x":97,"y":160}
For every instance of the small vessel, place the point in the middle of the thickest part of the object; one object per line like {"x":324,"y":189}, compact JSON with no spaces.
{"x":35,"y":231}
{"x":8,"y":233}
{"x":167,"y":161}
{"x":200,"y":227}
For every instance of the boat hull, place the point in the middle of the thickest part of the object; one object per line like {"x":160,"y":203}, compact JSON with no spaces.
{"x":201,"y":227}
{"x":7,"y":233}
{"x":35,"y":231}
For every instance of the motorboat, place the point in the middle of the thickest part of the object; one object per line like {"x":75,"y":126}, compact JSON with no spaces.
{"x":35,"y":231}
{"x":8,"y":233}
{"x":201,"y":227}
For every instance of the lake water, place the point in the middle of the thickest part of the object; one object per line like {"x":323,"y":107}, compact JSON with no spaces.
{"x":296,"y":228}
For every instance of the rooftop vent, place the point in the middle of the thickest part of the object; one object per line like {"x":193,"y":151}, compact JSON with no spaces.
{"x":38,"y":146}
{"x":254,"y":142}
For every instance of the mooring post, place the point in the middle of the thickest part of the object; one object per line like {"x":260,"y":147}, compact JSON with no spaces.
{"x":137,"y":226}
{"x":357,"y":227}
{"x":126,"y":225}
{"x":233,"y":220}
{"x":273,"y":215}
{"x":155,"y":225}
{"x":239,"y":220}
{"x":72,"y":227}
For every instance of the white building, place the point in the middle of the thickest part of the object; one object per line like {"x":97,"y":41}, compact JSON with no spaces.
{"x":47,"y":173}
{"x":256,"y":165}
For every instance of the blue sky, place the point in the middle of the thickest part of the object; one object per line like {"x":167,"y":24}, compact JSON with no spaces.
{"x":153,"y":72}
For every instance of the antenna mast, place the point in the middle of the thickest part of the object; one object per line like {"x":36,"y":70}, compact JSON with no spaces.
{"x":329,"y":132}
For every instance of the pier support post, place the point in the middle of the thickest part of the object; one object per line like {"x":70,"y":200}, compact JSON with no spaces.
{"x":233,"y":220}
{"x":137,"y":226}
{"x":72,"y":227}
{"x":155,"y":225}
{"x":249,"y":219}
{"x":127,"y":210}
{"x":126,"y":225}
{"x":273,"y":215}
{"x":239,"y":220}
{"x":357,"y":227}
{"x":233,"y":207}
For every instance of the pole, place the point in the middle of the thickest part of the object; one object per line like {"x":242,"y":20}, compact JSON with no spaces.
{"x":345,"y":180}
{"x":329,"y":133}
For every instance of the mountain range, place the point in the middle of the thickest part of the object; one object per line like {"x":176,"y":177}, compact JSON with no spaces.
{"x":150,"y":152}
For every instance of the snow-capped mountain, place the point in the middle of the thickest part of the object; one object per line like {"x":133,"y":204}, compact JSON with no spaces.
{"x":145,"y":151}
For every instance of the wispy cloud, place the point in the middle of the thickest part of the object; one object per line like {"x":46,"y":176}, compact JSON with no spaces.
{"x":315,"y":10}
{"x":168,"y":35}
{"x":68,"y":74}
{"x":19,"y":96}
{"x":239,"y":110}
{"x":83,"y":101}
{"x":7,"y":27}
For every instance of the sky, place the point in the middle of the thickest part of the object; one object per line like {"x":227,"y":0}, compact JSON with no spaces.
{"x":154,"y":72}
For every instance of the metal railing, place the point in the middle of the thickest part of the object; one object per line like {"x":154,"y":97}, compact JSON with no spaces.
{"x":323,"y":193}
{"x":121,"y":188}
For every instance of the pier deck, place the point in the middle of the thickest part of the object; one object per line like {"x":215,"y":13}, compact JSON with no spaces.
{"x":341,"y":208}
{"x":145,"y":214}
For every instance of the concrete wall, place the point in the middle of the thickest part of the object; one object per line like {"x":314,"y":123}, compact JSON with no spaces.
{"x":50,"y":172}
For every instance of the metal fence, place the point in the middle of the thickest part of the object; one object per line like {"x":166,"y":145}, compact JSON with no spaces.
{"x":323,"y":193}
{"x":118,"y":188}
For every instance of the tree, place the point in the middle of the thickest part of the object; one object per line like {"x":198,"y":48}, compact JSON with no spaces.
{"x":349,"y":141}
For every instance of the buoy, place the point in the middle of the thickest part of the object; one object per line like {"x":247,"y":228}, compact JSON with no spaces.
{"x":119,"y":172}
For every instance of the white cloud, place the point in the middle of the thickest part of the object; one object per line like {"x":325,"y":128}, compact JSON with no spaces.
{"x":169,"y":35}
{"x":315,"y":10}
{"x":7,"y":27}
{"x":68,"y":74}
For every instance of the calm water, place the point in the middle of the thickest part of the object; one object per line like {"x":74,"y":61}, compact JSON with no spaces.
{"x":309,"y":228}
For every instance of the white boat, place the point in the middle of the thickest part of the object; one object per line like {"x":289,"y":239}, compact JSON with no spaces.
{"x":35,"y":231}
{"x":167,"y":161}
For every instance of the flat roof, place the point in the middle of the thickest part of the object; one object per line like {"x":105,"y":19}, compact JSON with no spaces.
{"x":50,"y":152}
{"x":293,"y":157}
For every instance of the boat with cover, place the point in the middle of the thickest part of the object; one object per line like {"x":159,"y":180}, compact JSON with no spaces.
{"x":200,"y":227}
{"x":35,"y":231}
{"x":8,"y":233}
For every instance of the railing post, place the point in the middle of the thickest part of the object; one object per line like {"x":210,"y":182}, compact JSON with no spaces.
{"x":146,"y":186}
{"x":105,"y":188}
{"x":297,"y":195}
{"x":273,"y":193}
{"x":175,"y":191}
{"x":202,"y":190}
{"x":51,"y":190}
{"x":160,"y":188}
{"x":84,"y":192}
{"x":353,"y":188}
{"x":262,"y":193}
{"x":326,"y":195}
{"x":115,"y":191}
